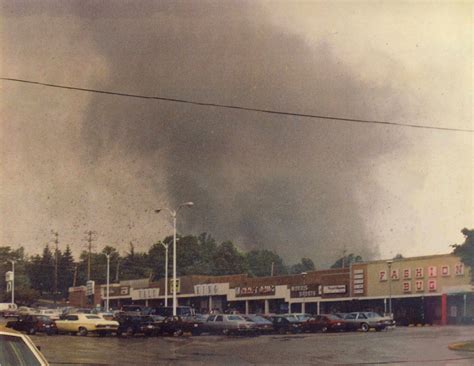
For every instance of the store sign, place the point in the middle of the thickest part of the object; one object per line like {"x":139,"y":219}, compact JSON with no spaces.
{"x":432,"y":285}
{"x":406,"y":286}
{"x":358,"y":284}
{"x":407,"y":274}
{"x":459,"y":269}
{"x":334,"y":289}
{"x":445,"y":271}
{"x":383,"y":276}
{"x":419,"y":272}
{"x":311,"y":290}
{"x":116,"y":291}
{"x":178,"y":286}
{"x":145,"y":293}
{"x":90,"y":287}
{"x":267,"y":290}
{"x":395,"y":274}
{"x":211,"y":289}
{"x":432,"y":271}
{"x":419,"y":285}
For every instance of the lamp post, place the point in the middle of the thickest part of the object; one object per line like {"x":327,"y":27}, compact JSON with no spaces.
{"x":389,"y":263}
{"x":173,"y":214}
{"x":303,"y":308}
{"x":108,"y":283}
{"x":13,"y":280}
{"x":166,"y":272}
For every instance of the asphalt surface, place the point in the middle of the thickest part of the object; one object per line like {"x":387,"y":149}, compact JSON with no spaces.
{"x":404,"y":346}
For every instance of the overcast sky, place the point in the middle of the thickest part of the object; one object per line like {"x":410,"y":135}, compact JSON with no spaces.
{"x":74,"y":161}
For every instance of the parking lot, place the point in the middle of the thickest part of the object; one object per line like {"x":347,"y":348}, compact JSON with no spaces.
{"x":403,"y":345}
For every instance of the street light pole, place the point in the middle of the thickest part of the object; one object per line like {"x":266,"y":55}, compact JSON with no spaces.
{"x":13,"y":281}
{"x":173,"y":214}
{"x":166,"y":272}
{"x":107,"y":308}
{"x":390,"y":287}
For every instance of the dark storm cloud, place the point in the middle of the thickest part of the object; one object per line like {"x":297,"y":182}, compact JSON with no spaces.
{"x":282,"y":183}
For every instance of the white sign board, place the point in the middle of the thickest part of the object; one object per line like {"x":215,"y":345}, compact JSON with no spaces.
{"x":90,"y":287}
{"x":145,"y":293}
{"x":211,"y":289}
{"x":334,"y":289}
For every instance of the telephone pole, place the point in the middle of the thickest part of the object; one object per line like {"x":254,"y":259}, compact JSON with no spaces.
{"x":89,"y":240}
{"x":56,"y":251}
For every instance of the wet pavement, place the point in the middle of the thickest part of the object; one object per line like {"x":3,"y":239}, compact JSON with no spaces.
{"x":405,"y":346}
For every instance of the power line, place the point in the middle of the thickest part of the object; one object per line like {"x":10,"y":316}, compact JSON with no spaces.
{"x":229,"y":106}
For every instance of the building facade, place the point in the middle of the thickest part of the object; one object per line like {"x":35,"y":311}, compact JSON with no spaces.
{"x":432,"y":289}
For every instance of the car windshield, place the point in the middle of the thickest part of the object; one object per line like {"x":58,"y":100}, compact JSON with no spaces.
{"x":15,"y":352}
{"x":235,"y":317}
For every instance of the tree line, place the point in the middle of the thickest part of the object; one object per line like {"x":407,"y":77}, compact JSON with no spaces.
{"x":35,"y":276}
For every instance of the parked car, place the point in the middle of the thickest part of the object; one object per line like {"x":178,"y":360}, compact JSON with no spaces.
{"x":298,"y":317}
{"x":230,"y":324}
{"x":365,"y":321}
{"x":136,"y":324}
{"x":182,"y":311}
{"x":25,"y":310}
{"x":324,"y":323}
{"x":83,"y":324}
{"x":286,"y":324}
{"x":33,"y":323}
{"x":8,"y":309}
{"x":54,"y":314}
{"x":263,"y":325}
{"x":18,"y":349}
{"x":177,"y":326}
{"x":137,"y":309}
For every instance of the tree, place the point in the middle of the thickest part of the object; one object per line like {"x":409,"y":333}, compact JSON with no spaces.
{"x":346,"y":261}
{"x":65,"y":272}
{"x":259,"y":263}
{"x":305,"y":265}
{"x":466,"y":250}
{"x":228,"y":260}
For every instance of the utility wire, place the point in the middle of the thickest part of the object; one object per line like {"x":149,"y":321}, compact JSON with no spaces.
{"x":229,"y":106}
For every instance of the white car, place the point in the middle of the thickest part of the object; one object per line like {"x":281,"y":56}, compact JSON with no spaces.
{"x":83,"y":324}
{"x":18,"y":349}
{"x":53,"y":314}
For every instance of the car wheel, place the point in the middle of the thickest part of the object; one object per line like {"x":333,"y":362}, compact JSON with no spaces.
{"x":364,"y":327}
{"x":82,"y":332}
{"x":31,"y":331}
{"x":196,"y":332}
{"x":129,"y":332}
{"x":282,"y":331}
{"x":324,"y":329}
{"x":178,"y":333}
{"x":225,"y":332}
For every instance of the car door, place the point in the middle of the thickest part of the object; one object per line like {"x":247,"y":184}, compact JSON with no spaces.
{"x":219,"y":321}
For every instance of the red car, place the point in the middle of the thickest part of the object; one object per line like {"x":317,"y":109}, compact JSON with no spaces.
{"x":324,"y":323}
{"x":33,"y":324}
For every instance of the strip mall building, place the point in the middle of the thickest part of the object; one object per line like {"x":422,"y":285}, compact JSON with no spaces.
{"x":433,"y":289}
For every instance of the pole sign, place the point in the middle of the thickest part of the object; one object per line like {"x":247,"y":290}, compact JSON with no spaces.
{"x":90,"y":287}
{"x":9,"y":280}
{"x":178,"y":286}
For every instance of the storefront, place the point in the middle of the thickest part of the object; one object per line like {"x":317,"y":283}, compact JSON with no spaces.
{"x":421,"y":290}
